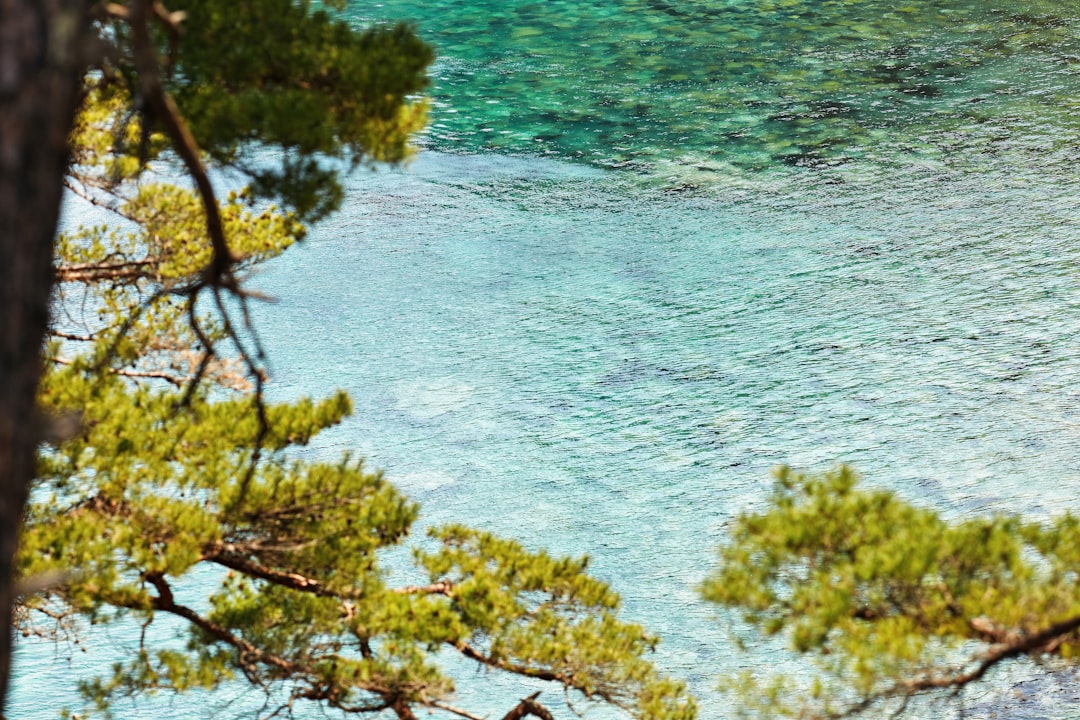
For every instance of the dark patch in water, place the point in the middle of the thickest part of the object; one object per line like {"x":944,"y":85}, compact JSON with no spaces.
{"x":923,"y":90}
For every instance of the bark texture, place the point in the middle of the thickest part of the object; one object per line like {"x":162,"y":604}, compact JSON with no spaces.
{"x":42,"y":58}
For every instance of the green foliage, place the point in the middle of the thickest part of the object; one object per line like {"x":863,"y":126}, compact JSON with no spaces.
{"x":324,"y":89}
{"x":545,"y":617}
{"x":890,"y":599}
{"x":179,"y":474}
{"x":316,"y":84}
{"x":276,"y":75}
{"x":150,"y":490}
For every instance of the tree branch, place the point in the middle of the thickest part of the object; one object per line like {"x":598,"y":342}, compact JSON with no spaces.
{"x":148,"y":374}
{"x":443,"y":587}
{"x":1045,"y":640}
{"x":166,"y":112}
{"x":248,"y":652}
{"x":222,"y":555}
{"x":219,"y":271}
{"x":96,"y":202}
{"x":529,"y":706}
{"x":456,"y":711}
{"x":96,"y":272}
{"x":567,"y":681}
{"x":71,"y":336}
{"x":402,"y":709}
{"x":319,"y":688}
{"x":228,"y":555}
{"x":171,"y":21}
{"x":258,"y":374}
{"x":470,"y":652}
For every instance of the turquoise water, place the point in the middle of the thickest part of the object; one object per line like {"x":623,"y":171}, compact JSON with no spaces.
{"x":652,"y":250}
{"x":748,"y":84}
{"x":556,"y":354}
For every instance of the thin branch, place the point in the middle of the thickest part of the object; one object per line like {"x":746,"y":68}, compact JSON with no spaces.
{"x":95,"y":272}
{"x":219,"y":271}
{"x":456,"y":711}
{"x":1045,"y":640}
{"x":166,"y":112}
{"x":470,"y":652}
{"x":227,"y":555}
{"x":208,"y":353}
{"x":129,"y":322}
{"x":95,"y":201}
{"x":142,"y":374}
{"x":171,"y":21}
{"x":249,"y":653}
{"x":570,"y":703}
{"x":165,"y":603}
{"x":258,"y":546}
{"x":64,"y":625}
{"x":71,"y":336}
{"x":258,"y":400}
{"x":529,"y":706}
{"x":294,"y":581}
{"x":242,"y":296}
{"x":1022,"y":646}
{"x":443,"y":587}
{"x":609,"y":696}
{"x":54,"y":615}
{"x":902,"y":708}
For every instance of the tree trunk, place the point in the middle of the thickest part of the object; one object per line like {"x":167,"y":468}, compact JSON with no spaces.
{"x":42,"y":54}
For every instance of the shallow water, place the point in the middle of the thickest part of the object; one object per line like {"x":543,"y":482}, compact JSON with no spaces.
{"x":749,"y":84}
{"x":654,"y":249}
{"x":562,"y":356}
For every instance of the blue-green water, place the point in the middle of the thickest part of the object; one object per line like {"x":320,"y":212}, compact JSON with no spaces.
{"x":654,"y":249}
{"x":749,"y":84}
{"x":555,"y":354}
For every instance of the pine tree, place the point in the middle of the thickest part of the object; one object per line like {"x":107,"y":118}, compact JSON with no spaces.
{"x":164,"y":457}
{"x":891,"y":601}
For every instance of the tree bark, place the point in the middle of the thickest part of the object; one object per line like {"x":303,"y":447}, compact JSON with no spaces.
{"x":528,"y":706}
{"x":42,"y":60}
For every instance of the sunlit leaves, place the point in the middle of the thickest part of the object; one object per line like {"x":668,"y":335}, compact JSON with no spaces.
{"x":882,"y":592}
{"x":544,"y":616}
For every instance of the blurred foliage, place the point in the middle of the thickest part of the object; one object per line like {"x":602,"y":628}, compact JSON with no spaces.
{"x":891,"y":600}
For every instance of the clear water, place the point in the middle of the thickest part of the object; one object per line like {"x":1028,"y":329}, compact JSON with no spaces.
{"x":654,"y":249}
{"x":753,"y":84}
